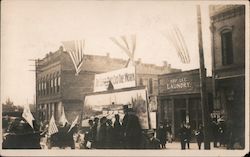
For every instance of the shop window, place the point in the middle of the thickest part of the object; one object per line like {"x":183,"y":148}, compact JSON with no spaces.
{"x":227,"y":47}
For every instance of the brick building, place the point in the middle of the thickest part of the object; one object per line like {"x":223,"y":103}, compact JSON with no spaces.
{"x":58,"y":87}
{"x":228,"y":64}
{"x":179,"y":99}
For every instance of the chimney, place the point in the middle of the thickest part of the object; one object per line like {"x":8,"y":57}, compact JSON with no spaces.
{"x":165,"y":63}
{"x":107,"y":55}
{"x":139,"y":60}
{"x":169,"y":66}
{"x":61,"y":48}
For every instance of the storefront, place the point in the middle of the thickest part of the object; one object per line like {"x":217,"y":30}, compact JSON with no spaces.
{"x":179,"y":99}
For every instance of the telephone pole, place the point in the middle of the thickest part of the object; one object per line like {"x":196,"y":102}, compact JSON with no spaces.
{"x":204,"y":104}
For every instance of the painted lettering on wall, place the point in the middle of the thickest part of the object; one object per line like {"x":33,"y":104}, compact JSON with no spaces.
{"x":179,"y":83}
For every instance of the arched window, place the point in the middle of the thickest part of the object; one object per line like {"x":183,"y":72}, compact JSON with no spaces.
{"x":58,"y":82}
{"x":150,"y":85}
{"x":47,"y":85}
{"x":55,"y":83}
{"x":227,"y":46}
{"x":51,"y":83}
{"x":141,"y":82}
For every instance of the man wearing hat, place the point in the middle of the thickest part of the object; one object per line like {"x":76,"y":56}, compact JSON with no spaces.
{"x":152,"y":142}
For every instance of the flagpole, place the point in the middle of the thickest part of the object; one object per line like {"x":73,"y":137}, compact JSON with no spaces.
{"x":204,"y":105}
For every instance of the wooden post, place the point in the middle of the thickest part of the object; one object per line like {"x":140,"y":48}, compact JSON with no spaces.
{"x":204,"y":105}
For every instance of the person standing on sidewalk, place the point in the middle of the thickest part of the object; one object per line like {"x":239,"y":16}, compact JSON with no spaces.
{"x":183,"y":136}
{"x":162,"y":135}
{"x":189,"y":134}
{"x":215,"y":131}
{"x":199,"y":136}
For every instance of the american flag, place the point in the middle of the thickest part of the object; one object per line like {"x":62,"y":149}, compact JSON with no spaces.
{"x":175,"y":37}
{"x":52,"y":126}
{"x":75,"y":50}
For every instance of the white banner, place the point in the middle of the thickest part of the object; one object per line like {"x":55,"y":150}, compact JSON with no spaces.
{"x":122,"y":78}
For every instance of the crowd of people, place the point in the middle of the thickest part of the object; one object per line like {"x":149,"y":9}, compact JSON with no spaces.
{"x":222,"y":135}
{"x":122,"y":134}
{"x":126,"y":133}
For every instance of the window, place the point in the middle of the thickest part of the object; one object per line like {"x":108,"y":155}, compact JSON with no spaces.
{"x":141,"y":82}
{"x":58,"y":83}
{"x":55,"y":83}
{"x":150,"y":85}
{"x":227,"y":47}
{"x":51,"y":84}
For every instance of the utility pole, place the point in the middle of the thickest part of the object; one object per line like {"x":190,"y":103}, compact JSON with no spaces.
{"x":204,"y":105}
{"x":36,"y":88}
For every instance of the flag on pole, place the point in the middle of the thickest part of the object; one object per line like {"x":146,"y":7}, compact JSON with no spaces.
{"x":75,"y":50}
{"x":73,"y":123}
{"x":52,"y":126}
{"x":27,"y":115}
{"x":63,"y":119}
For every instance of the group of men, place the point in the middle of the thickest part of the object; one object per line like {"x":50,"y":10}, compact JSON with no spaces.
{"x":122,"y":134}
{"x":185,"y":135}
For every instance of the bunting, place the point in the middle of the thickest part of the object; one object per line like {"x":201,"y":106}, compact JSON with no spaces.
{"x":75,"y":50}
{"x":176,"y":38}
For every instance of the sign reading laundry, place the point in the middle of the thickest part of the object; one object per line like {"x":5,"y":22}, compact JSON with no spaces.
{"x":179,"y":83}
{"x":122,"y":78}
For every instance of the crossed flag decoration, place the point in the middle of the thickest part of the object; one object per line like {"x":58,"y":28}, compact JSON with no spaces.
{"x":127,"y":47}
{"x":75,"y":49}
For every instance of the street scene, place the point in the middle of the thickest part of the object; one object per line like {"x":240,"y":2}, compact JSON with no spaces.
{"x":122,"y":75}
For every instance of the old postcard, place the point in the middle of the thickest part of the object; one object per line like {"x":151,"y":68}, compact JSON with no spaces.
{"x":124,"y":78}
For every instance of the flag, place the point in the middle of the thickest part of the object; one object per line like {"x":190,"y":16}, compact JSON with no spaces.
{"x":27,"y":115}
{"x":52,"y":126}
{"x":175,"y":37}
{"x":127,"y":47}
{"x":75,"y":50}
{"x":73,"y":123}
{"x":63,"y":119}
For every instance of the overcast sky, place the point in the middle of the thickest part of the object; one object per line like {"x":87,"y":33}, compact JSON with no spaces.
{"x":30,"y":29}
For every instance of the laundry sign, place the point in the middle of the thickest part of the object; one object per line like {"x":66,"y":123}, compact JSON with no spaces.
{"x":122,"y":78}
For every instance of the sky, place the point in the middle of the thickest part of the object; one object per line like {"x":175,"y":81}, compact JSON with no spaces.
{"x":30,"y":29}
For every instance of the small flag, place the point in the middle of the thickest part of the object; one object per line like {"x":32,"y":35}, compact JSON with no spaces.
{"x":63,"y":119}
{"x":52,"y":126}
{"x":27,"y":115}
{"x":73,"y":123}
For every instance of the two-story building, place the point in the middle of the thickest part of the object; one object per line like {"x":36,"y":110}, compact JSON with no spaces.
{"x":58,"y":87}
{"x":228,"y":66}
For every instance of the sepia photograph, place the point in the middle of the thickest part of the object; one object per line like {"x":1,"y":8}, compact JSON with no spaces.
{"x":124,"y":78}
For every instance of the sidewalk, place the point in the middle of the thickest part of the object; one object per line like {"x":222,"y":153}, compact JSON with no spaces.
{"x":193,"y":146}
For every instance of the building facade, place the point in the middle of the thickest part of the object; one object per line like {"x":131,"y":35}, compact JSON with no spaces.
{"x":58,"y":88}
{"x":228,"y":63}
{"x":179,"y":99}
